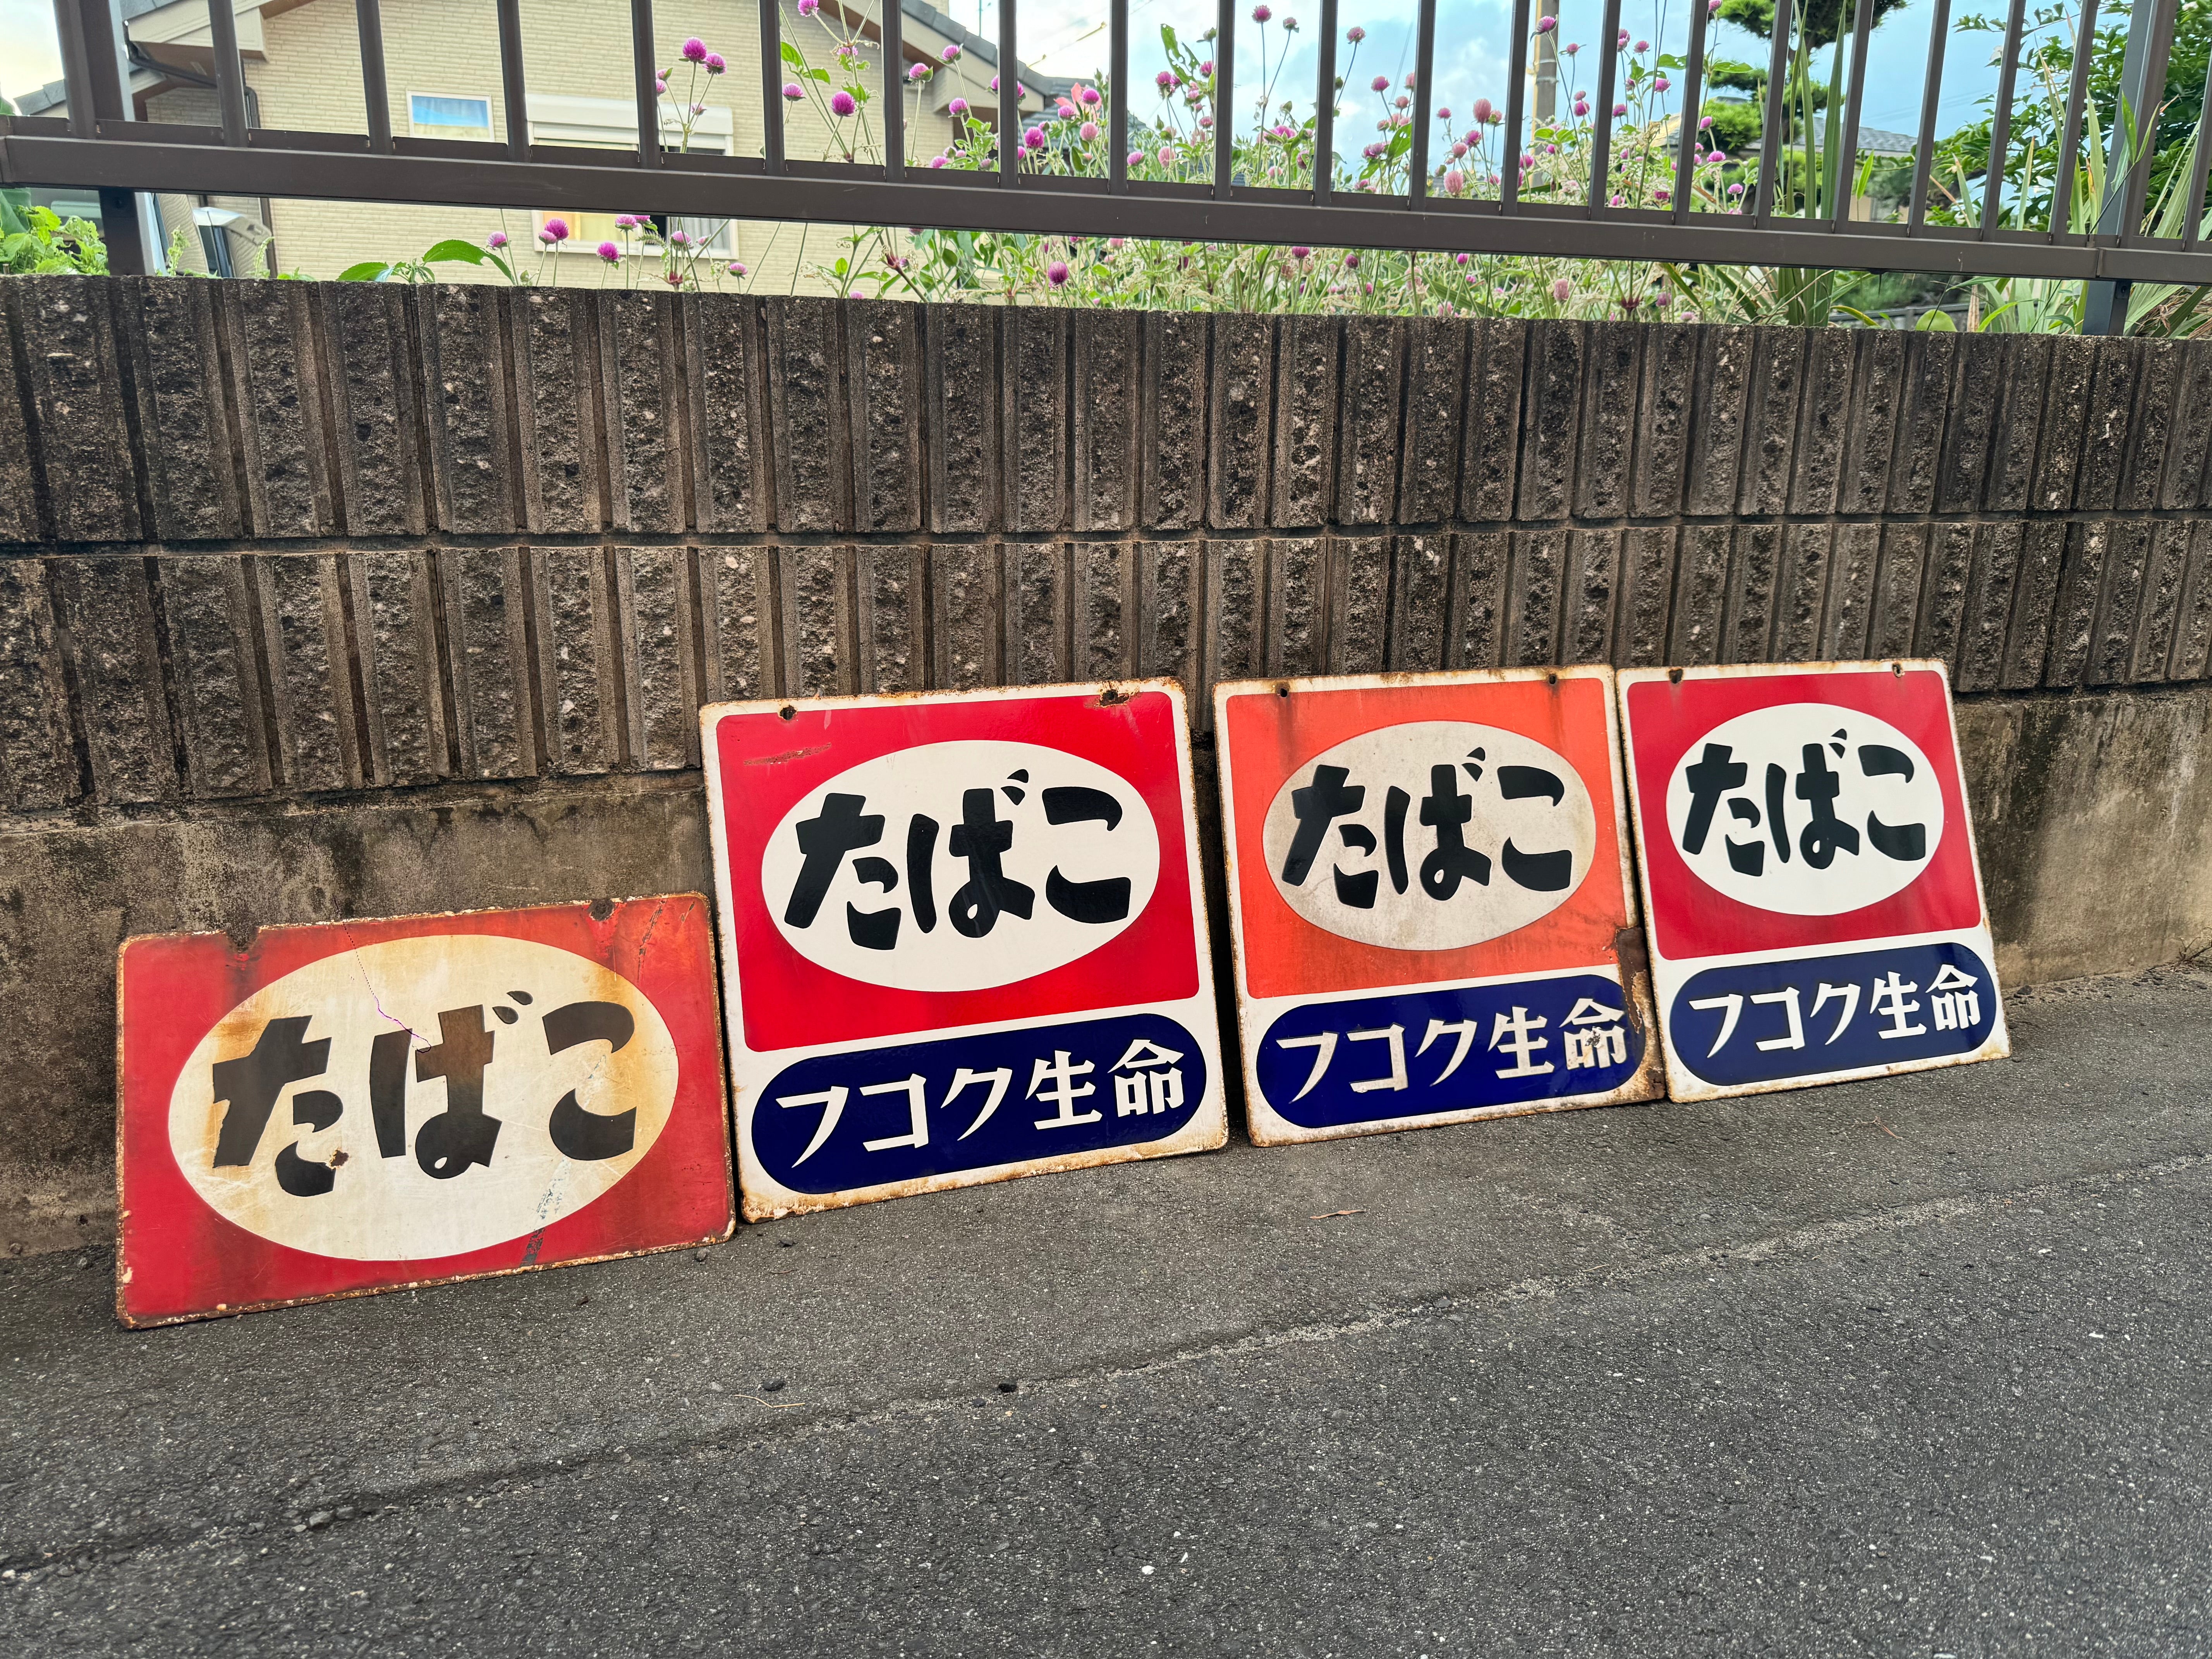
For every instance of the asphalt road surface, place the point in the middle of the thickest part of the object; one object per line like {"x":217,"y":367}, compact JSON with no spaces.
{"x":1919,"y":1367}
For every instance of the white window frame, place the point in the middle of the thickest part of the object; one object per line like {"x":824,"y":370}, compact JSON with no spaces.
{"x":472,"y":97}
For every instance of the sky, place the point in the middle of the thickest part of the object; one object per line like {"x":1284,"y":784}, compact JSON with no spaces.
{"x":28,"y":56}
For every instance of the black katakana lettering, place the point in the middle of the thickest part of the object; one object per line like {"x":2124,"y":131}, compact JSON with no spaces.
{"x":1393,"y":834}
{"x":1317,"y":806}
{"x":1777,"y":778}
{"x":1711,"y":775}
{"x":252,"y":1083}
{"x":1093,"y":901}
{"x":840,"y":828}
{"x":461,"y":1134}
{"x":983,"y":837}
{"x":1817,"y":786}
{"x":1905,"y":842}
{"x":921,"y":876}
{"x":1445,"y":809}
{"x":311,"y":1109}
{"x":387,"y":1090}
{"x":589,"y":1136}
{"x":874,"y":930}
{"x":1746,"y":858}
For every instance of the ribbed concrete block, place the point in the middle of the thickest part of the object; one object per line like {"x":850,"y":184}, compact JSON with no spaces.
{"x":485,"y":602}
{"x":652,"y":586}
{"x":2028,"y":634}
{"x":1420,"y":596}
{"x":1037,"y":604}
{"x":37,"y":758}
{"x":1592,"y":590}
{"x":1481,"y":562}
{"x":1700,"y":595}
{"x":1108,"y":393}
{"x":2075,"y":364}
{"x":1802,"y":592}
{"x":883,"y":376}
{"x":2113,"y":636}
{"x":1663,"y":406}
{"x":963,"y":591}
{"x":558,"y":409}
{"x":579,"y":673}
{"x":465,"y":337}
{"x":303,"y":630}
{"x":2186,"y":482}
{"x":1436,"y":408}
{"x":1719,"y":415}
{"x":369,"y":360}
{"x":1240,"y":418}
{"x":1878,"y":379}
{"x":1236,"y":612}
{"x":1170,"y":582}
{"x":2074,"y":618}
{"x":1824,"y":420}
{"x":1647,"y":595}
{"x":1923,"y":410}
{"x":2192,"y":622}
{"x":1171,"y":447}
{"x":176,"y":370}
{"x":1533,"y":594}
{"x":727,"y":384}
{"x":737,"y":611}
{"x":395,"y":608}
{"x":1990,"y":594}
{"x":814,"y":585}
{"x":1366,"y":437}
{"x":2107,"y":423}
{"x":1033,"y":416}
{"x":645,"y":402}
{"x":1777,"y":383}
{"x":1297,"y":600}
{"x":206,"y":610}
{"x":20,"y":490}
{"x":893,"y":621}
{"x":1309,"y":422}
{"x":1986,"y":365}
{"x":1557,"y":353}
{"x":1855,"y":570}
{"x":1490,"y":466}
{"x":1950,"y":575}
{"x":83,"y":442}
{"x":807,"y":415}
{"x":1611,"y":383}
{"x":1359,"y":605}
{"x":1747,"y":623}
{"x":2158,"y":409}
{"x":2163,"y":587}
{"x":107,"y":610}
{"x":960,"y":384}
{"x":1896,"y":615}
{"x":1106,"y":626}
{"x":279,"y":383}
{"x":2019,"y":431}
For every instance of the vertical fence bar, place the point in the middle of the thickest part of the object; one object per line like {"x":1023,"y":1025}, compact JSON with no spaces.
{"x":1425,"y":64}
{"x":1010,"y":99}
{"x":1225,"y":97}
{"x":1846,"y":157}
{"x":1117,"y":112}
{"x":1771,"y":133}
{"x":893,"y":31}
{"x":1547,"y":65}
{"x":76,"y":68}
{"x":1931,"y":93}
{"x":2001,"y":121}
{"x":2149,"y":87}
{"x":229,"y":76}
{"x":510,"y":82}
{"x":646,"y":73}
{"x":375,"y":90}
{"x":1517,"y":109}
{"x":2070,"y":143}
{"x":1688,"y":128}
{"x":771,"y":39}
{"x":2192,"y":227}
{"x":1602,"y":147}
{"x":1324,"y":146}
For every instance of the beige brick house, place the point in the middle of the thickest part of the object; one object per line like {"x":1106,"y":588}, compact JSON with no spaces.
{"x":303,"y":66}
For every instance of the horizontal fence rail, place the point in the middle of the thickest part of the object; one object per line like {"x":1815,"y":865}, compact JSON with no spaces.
{"x":98,"y":146}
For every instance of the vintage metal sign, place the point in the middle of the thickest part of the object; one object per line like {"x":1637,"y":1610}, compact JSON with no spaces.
{"x":1429,"y":883}
{"x":1808,"y":868}
{"x":364,"y":1105}
{"x":964,"y":938}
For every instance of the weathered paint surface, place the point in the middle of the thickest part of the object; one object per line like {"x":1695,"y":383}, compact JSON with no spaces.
{"x":1430,"y":898}
{"x":964,"y":938}
{"x":360,"y":1106}
{"x":1814,"y":901}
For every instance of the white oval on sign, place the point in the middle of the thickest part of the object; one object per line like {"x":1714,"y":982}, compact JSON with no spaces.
{"x":958,"y":867}
{"x":1810,"y":809}
{"x":295,"y":1122}
{"x":1432,"y":835}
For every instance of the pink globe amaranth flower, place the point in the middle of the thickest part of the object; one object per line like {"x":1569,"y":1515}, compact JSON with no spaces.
{"x":950,"y":55}
{"x":678,"y":239}
{"x":1260,"y":13}
{"x":1459,"y":258}
{"x":808,"y":8}
{"x":840,"y":103}
{"x":1482,"y":109}
{"x":1663,"y":299}
{"x":497,"y":240}
{"x":1088,"y":131}
{"x":625,"y":221}
{"x":1056,"y":274}
{"x":1455,"y":181}
{"x":1582,"y":106}
{"x":1410,"y":79}
{"x":1355,"y":34}
{"x":1290,"y":25}
{"x":737,"y":269}
{"x":1443,"y":115}
{"x":661,"y":84}
{"x":1090,"y":94}
{"x":1703,"y":122}
{"x":695,"y":50}
{"x":1164,"y":80}
{"x":1033,"y":139}
{"x":995,"y":83}
{"x":1381,"y":83}
{"x":1620,"y":109}
{"x":1067,"y":109}
{"x":1662,"y":84}
{"x":1526,"y":161}
{"x":556,"y":230}
{"x":1301,"y":252}
{"x":1624,"y":39}
{"x":1545,"y":25}
{"x":1371,"y":152}
{"x":958,"y":109}
{"x":609,"y":252}
{"x":1736,"y":189}
{"x":1352,"y":261}
{"x":791,"y":91}
{"x":698,"y":109}
{"x":1561,"y":287}
{"x":716,"y":63}
{"x":1167,"y":156}
{"x":919,"y":72}
{"x":1282,"y":130}
{"x":1571,"y":47}
{"x":1207,"y":67}
{"x":1136,"y":158}
{"x":1717,"y":156}
{"x":1660,"y":193}
{"x":1204,"y":121}
{"x":1643,"y":46}
{"x":937,"y":161}
{"x":1612,"y":201}
{"x":1115,"y":243}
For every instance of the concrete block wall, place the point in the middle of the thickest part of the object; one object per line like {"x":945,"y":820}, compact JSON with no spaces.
{"x":327,"y":600}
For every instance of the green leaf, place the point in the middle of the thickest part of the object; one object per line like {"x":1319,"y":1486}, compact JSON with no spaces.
{"x":822,"y":75}
{"x":455,"y":249}
{"x":367,"y":271}
{"x":793,"y":55}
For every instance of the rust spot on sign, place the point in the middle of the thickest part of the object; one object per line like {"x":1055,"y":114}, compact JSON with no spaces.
{"x":787,"y":756}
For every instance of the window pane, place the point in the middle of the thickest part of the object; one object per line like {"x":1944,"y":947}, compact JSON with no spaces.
{"x":433,"y":117}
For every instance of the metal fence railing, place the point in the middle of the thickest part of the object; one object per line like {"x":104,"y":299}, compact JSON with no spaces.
{"x":98,"y":146}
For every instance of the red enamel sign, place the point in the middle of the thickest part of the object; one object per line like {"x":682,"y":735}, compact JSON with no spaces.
{"x":365,"y":1105}
{"x":1816,"y":908}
